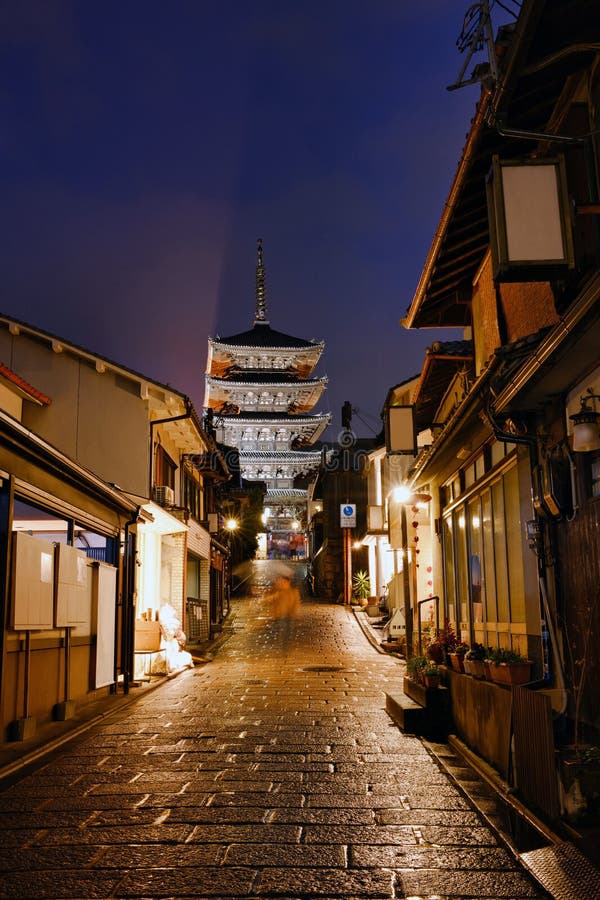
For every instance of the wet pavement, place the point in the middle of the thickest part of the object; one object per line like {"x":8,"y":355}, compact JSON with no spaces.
{"x":271,"y":771}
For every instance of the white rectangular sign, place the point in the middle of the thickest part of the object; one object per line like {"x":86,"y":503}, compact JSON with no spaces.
{"x":348,"y":515}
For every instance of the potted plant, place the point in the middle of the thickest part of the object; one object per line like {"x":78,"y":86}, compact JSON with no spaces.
{"x":414,"y":668}
{"x":457,"y":656}
{"x":361,"y":587}
{"x":431,"y":675}
{"x":510,"y":666}
{"x":443,"y":644}
{"x":474,"y":661}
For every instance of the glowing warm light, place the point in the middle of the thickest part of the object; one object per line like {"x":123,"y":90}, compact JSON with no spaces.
{"x":295,"y":525}
{"x":475,"y":522}
{"x":317,"y":508}
{"x":264,"y":518}
{"x":461,"y":522}
{"x":401,"y":494}
{"x":231,"y":524}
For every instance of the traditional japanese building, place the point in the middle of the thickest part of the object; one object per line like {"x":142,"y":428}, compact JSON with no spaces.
{"x":261,"y":394}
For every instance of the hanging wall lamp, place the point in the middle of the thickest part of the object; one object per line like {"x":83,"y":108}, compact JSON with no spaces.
{"x":586,"y":435}
{"x":529,"y":218}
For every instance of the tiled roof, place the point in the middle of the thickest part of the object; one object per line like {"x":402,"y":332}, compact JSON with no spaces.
{"x":262,"y":335}
{"x":24,"y":386}
{"x":442,"y":360}
{"x":256,"y":376}
{"x":537,"y":65}
{"x":275,"y":417}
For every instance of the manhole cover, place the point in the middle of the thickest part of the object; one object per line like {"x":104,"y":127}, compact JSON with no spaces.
{"x":323,"y":669}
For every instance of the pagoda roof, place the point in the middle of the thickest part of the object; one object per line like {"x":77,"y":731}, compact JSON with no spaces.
{"x":285,"y":494}
{"x":278,"y":455}
{"x":274,"y":417}
{"x":262,"y":336}
{"x":260,"y":376}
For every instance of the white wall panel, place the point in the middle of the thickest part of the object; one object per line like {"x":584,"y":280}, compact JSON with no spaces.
{"x":104,"y":581}
{"x":33,"y":583}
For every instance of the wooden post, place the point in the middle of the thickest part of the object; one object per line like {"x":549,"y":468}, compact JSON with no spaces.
{"x":347,"y":565}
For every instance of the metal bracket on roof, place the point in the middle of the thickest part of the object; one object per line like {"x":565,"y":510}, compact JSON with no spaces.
{"x":477,"y":32}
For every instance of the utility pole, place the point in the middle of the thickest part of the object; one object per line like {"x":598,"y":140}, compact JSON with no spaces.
{"x":348,"y":510}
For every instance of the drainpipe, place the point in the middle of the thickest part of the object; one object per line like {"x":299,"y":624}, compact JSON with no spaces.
{"x":550,"y":624}
{"x":127,"y":626}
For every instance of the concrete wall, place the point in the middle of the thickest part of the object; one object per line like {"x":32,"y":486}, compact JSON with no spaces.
{"x":97,"y":418}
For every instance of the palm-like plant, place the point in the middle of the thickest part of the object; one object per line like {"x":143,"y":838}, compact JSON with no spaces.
{"x":361,"y":585}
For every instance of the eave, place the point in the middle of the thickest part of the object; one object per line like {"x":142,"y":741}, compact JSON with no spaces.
{"x":535,"y":74}
{"x":22,"y":388}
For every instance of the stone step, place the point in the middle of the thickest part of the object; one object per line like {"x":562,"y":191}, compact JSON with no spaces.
{"x":420,"y":710}
{"x":406,"y":713}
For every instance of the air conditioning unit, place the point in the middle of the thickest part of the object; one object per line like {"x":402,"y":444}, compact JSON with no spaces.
{"x":164,"y":495}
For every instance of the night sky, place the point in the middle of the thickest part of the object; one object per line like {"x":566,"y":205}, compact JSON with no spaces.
{"x":145,"y":146}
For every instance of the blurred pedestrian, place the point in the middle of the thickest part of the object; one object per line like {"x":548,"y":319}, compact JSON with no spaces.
{"x":285,"y":605}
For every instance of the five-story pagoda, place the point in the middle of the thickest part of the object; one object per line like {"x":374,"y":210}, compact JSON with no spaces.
{"x":261,"y":393}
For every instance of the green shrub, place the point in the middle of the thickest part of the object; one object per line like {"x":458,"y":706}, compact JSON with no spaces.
{"x":430,"y":669}
{"x":506,"y":655}
{"x":415,"y":666}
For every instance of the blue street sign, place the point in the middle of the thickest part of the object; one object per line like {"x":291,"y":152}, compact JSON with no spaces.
{"x":348,"y":515}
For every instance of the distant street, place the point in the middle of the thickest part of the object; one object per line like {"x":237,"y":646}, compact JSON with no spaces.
{"x":270,"y":771}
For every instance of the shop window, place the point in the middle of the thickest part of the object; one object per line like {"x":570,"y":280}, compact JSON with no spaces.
{"x":164,"y":468}
{"x":449,"y":569}
{"x":461,"y":565}
{"x":96,"y":546}
{"x":193,"y":578}
{"x":499,"y":531}
{"x":193,"y":496}
{"x":47,"y":526}
{"x":497,"y":452}
{"x":470,"y":475}
{"x":483,"y":560}
{"x":475,"y":557}
{"x":490,"y":611}
{"x":41,"y":523}
{"x":516,"y":579}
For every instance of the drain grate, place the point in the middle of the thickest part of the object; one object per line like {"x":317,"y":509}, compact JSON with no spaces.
{"x":564,"y":872}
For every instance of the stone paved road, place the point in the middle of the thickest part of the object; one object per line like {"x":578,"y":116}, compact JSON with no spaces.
{"x":271,"y":771}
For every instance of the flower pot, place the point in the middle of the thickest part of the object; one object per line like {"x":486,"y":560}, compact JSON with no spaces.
{"x":432,"y":681}
{"x":511,"y":673}
{"x":475,"y":667}
{"x":437,"y":653}
{"x":457,"y":661}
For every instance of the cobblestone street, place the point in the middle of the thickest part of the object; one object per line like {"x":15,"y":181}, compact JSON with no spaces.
{"x":270,"y":771}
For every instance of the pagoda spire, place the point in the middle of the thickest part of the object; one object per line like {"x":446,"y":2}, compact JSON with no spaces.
{"x":261,"y":290}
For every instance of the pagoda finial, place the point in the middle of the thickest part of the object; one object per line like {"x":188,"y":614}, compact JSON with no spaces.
{"x":261,"y":290}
